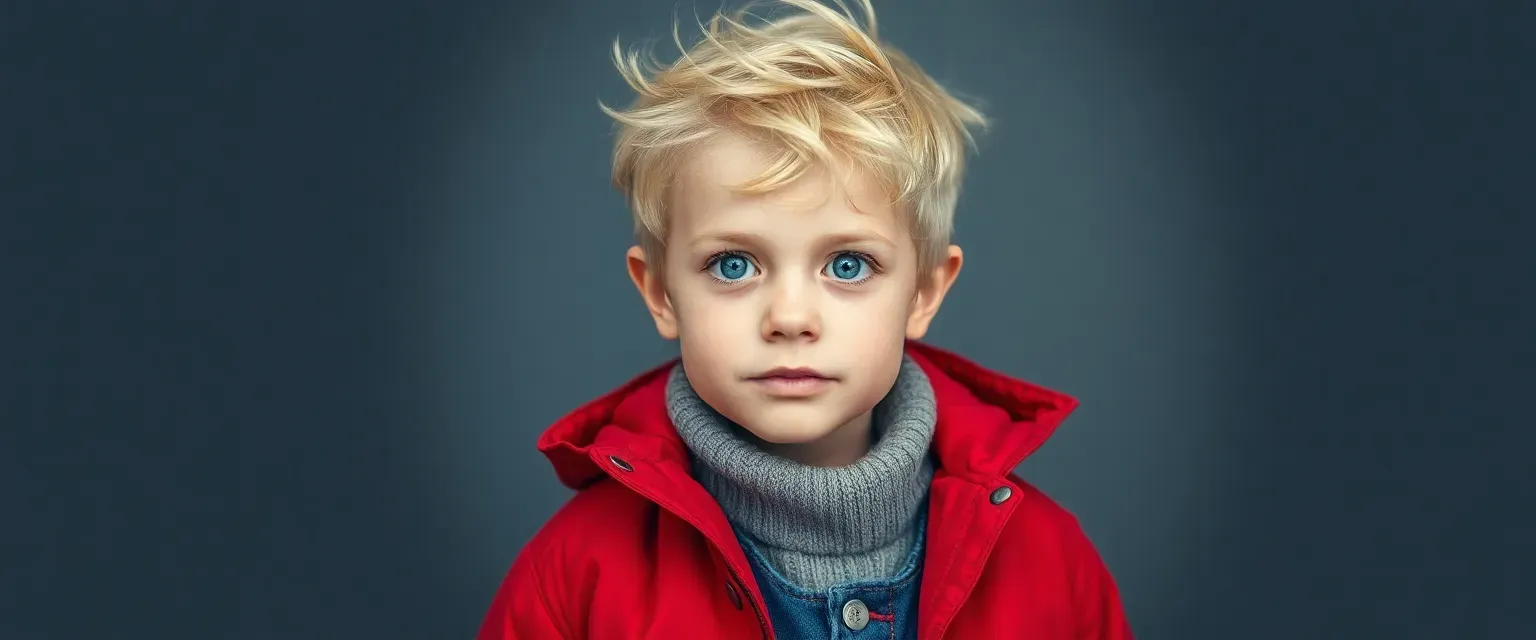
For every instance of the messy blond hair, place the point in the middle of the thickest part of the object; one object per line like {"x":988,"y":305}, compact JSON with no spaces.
{"x":815,"y":85}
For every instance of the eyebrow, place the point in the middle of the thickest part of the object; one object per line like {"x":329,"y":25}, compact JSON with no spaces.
{"x":869,"y":237}
{"x":831,"y":240}
{"x":727,"y":238}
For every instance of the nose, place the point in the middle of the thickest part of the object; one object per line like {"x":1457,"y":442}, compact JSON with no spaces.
{"x":792,"y":313}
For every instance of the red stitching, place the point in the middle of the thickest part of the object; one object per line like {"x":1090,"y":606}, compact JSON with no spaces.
{"x":882,"y":617}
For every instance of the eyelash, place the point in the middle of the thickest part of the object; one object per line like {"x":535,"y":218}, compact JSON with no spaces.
{"x":716,"y":257}
{"x":874,"y":267}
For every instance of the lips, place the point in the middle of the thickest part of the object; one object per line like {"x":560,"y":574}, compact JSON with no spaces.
{"x":799,"y":383}
{"x":796,"y":373}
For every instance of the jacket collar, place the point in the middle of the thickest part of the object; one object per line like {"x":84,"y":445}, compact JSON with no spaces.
{"x":988,"y":422}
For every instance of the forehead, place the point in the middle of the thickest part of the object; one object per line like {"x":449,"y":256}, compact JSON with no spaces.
{"x":838,"y":198}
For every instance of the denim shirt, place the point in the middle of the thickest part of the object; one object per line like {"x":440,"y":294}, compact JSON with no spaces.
{"x":889,"y":605}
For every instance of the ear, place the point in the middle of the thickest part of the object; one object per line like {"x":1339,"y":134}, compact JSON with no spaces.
{"x":652,"y":291}
{"x":931,"y":289}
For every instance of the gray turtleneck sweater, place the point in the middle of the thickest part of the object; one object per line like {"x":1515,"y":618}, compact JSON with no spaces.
{"x":819,"y":526}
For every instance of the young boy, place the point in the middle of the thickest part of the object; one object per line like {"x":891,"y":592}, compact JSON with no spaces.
{"x":806,"y":470}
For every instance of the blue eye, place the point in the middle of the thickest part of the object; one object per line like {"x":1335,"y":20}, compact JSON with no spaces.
{"x":848,"y":267}
{"x":732,"y":267}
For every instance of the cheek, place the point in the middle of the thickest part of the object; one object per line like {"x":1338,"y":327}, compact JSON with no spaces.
{"x":881,"y":314}
{"x":700,"y":309}
{"x":708,"y":323}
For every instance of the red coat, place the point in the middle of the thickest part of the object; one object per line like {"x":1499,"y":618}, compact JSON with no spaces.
{"x":643,"y":552}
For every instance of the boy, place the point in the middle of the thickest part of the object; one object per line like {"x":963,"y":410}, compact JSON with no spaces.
{"x":806,"y":470}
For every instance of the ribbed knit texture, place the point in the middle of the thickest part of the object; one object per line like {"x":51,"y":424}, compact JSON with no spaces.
{"x":819,"y":526}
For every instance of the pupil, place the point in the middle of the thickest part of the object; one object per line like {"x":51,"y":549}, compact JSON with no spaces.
{"x":733,"y":267}
{"x":847,"y":267}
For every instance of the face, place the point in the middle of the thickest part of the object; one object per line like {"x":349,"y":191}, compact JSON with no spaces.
{"x":791,"y":307}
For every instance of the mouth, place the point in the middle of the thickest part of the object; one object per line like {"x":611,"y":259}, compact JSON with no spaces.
{"x":785,"y":382}
{"x":786,"y":373}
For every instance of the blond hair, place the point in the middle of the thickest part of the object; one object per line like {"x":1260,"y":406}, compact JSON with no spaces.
{"x":818,"y":87}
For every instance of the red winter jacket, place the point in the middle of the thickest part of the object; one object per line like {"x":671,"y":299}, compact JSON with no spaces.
{"x":643,"y":552}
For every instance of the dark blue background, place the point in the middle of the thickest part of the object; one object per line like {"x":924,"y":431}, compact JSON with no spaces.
{"x":291,"y":287}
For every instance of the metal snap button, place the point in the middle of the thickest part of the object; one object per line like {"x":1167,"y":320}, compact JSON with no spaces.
{"x":620,"y":463}
{"x":1001,"y":495}
{"x":730,"y":592}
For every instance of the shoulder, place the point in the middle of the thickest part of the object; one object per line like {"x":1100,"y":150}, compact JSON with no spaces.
{"x":1040,"y":526}
{"x":549,"y":588}
{"x":1047,"y":541}
{"x":602,"y":522}
{"x":1040,"y":508}
{"x":1041,"y":556}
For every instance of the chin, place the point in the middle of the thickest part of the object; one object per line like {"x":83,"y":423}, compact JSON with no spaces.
{"x":781,"y":436}
{"x":802,"y":431}
{"x":782,"y":421}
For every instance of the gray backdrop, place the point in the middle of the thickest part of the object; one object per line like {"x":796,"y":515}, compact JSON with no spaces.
{"x":1102,"y":230}
{"x":296,"y":288}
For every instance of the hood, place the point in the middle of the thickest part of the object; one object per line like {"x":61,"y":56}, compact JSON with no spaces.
{"x":987,"y":422}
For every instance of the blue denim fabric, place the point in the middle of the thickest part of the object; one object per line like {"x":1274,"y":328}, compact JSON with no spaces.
{"x":797,"y":613}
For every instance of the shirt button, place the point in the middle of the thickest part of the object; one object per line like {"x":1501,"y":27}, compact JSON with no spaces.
{"x":1001,"y":495}
{"x":856,"y":614}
